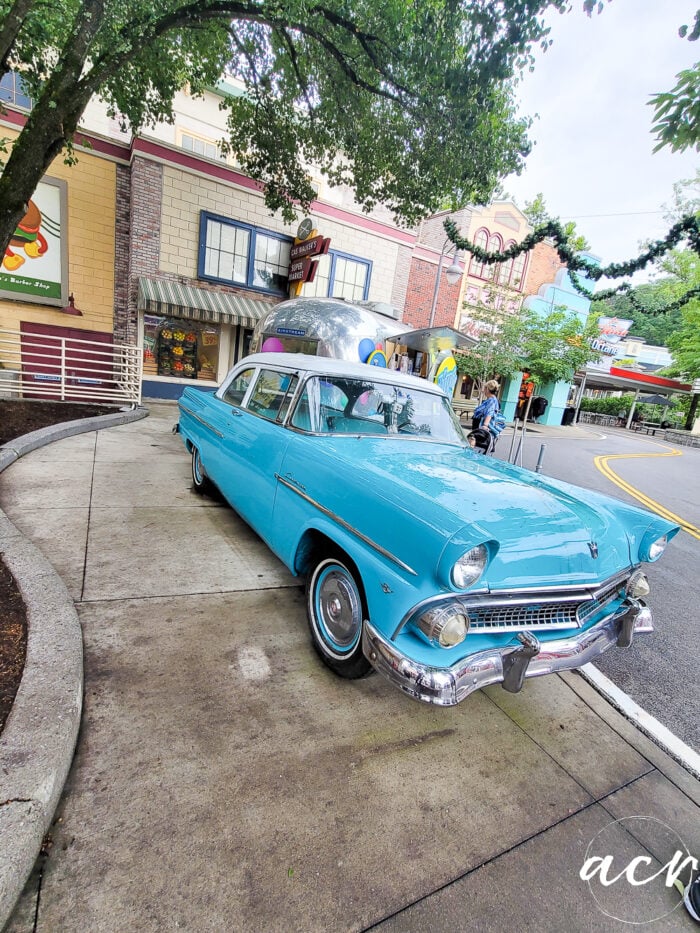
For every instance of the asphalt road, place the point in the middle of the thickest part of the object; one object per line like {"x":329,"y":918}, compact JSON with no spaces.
{"x":660,"y":671}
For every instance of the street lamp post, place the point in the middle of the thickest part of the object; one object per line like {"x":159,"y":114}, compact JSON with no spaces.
{"x":453,"y":273}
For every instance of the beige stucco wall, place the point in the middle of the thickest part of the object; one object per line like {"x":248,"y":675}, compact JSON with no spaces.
{"x":186,"y":194}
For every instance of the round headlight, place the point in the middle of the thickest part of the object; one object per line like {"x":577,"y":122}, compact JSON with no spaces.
{"x":657,"y":548}
{"x":445,"y":626}
{"x":637,"y":586}
{"x":469,"y":567}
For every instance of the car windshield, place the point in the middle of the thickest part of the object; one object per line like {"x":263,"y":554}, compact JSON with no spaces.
{"x":343,"y":405}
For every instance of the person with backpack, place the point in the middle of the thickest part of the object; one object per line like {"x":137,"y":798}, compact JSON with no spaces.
{"x":488,"y":421}
{"x":486,"y":410}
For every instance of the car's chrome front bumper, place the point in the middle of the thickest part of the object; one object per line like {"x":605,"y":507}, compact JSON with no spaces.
{"x":510,"y":665}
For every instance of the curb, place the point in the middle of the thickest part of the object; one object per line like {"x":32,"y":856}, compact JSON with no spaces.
{"x":36,"y":747}
{"x":645,"y":722}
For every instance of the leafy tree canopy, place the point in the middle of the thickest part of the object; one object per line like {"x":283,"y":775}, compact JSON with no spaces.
{"x":658,"y":308}
{"x":550,"y":347}
{"x":677,"y":113}
{"x":646,"y":306}
{"x":537,"y":215}
{"x":405,"y":102}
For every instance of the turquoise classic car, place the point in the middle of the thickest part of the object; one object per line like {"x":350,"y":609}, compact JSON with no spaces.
{"x":443,"y":569}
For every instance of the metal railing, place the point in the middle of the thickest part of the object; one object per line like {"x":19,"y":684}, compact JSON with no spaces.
{"x":596,"y":417}
{"x":68,"y":369}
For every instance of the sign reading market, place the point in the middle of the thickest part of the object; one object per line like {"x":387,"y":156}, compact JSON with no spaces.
{"x":307,"y":244}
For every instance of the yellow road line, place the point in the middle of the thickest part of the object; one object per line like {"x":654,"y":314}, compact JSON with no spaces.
{"x":602,"y":464}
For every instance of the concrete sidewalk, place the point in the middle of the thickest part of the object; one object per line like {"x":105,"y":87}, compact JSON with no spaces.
{"x":224,"y":780}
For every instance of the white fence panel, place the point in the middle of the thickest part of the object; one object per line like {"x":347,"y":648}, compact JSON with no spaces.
{"x":68,"y":368}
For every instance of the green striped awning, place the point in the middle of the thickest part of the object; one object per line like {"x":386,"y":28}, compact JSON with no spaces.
{"x":173,"y":299}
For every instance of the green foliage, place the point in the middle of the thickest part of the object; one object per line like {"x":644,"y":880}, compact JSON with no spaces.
{"x":551,"y":348}
{"x":647,"y":307}
{"x":410,"y":104}
{"x":685,"y":343}
{"x":608,"y":405}
{"x":614,"y":404}
{"x":537,"y":215}
{"x":557,"y":345}
{"x":677,"y":113}
{"x":498,"y":352}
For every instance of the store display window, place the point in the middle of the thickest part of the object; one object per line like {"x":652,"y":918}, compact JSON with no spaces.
{"x":179,"y":348}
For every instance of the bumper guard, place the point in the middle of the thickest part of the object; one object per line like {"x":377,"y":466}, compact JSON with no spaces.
{"x":510,"y":665}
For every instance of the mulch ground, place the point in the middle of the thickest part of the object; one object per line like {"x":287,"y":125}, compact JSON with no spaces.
{"x":18,"y":418}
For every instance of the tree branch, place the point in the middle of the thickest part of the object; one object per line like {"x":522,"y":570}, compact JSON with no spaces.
{"x":11,"y":26}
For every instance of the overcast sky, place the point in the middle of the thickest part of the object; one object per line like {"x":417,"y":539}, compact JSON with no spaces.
{"x":593,"y":158}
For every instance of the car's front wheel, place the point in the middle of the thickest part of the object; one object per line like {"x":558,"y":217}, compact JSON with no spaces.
{"x":202,"y":484}
{"x":335,"y":609}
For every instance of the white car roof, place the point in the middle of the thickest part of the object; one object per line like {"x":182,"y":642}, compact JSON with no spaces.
{"x":331,"y":366}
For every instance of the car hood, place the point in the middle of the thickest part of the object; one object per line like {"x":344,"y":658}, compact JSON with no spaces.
{"x":545,"y":531}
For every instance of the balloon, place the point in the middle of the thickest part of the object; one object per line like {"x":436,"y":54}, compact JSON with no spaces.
{"x":365,"y":347}
{"x":272,"y":345}
{"x":379,"y":346}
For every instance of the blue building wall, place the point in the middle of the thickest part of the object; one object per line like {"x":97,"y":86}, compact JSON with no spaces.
{"x":552,"y":295}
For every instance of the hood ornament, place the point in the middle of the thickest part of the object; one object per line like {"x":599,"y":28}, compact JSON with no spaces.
{"x":593,"y":548}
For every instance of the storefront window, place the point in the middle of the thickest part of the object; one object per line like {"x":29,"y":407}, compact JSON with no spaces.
{"x":180,"y":348}
{"x":340,"y":276}
{"x":239,"y":254}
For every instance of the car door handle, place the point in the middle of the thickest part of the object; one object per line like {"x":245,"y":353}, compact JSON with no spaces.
{"x":236,"y":412}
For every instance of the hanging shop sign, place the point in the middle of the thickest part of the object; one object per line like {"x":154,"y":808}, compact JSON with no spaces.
{"x":302,"y":267}
{"x":302,"y":270}
{"x":613,"y":329}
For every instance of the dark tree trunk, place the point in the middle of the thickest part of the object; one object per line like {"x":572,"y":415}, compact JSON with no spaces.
{"x":42,"y":139}
{"x":52,"y":122}
{"x":10,"y":29}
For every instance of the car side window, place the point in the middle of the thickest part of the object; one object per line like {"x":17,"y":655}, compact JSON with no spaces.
{"x":304,"y":412}
{"x":269,"y":393}
{"x":236,"y":390}
{"x":288,"y":396}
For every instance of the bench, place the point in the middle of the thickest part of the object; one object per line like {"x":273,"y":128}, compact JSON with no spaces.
{"x":649,"y":427}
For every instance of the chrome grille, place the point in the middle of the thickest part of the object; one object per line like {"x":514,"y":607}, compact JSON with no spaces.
{"x":587,"y":609}
{"x":505,"y":618}
{"x":510,"y":614}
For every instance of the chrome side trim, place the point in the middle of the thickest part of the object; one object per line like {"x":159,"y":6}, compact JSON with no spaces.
{"x":294,"y":486}
{"x":201,"y":420}
{"x":448,"y":686}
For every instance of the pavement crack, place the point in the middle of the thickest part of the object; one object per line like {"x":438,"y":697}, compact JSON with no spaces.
{"x":6,"y":803}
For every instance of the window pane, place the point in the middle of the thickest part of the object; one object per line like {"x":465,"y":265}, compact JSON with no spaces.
{"x":287,"y":400}
{"x":268,"y":393}
{"x":226,"y":255}
{"x":319,"y":286}
{"x":349,"y":278}
{"x":304,"y":414}
{"x":481,"y":240}
{"x":237,"y":389}
{"x":354,"y":406}
{"x":271,"y":263}
{"x":516,"y":279}
{"x":12,"y":90}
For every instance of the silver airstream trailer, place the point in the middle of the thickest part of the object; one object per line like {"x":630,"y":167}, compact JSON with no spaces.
{"x":359,"y":331}
{"x":325,"y":327}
